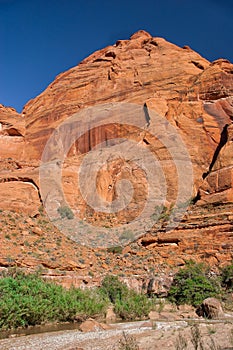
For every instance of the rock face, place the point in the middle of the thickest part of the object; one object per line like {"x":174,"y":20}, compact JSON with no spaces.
{"x":176,"y":85}
{"x":159,"y":286}
{"x":25,"y":197}
{"x":12,"y":132}
{"x":192,"y":94}
{"x":218,"y":184}
{"x":17,"y":189}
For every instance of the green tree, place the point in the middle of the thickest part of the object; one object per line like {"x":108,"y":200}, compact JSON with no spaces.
{"x":191,"y":285}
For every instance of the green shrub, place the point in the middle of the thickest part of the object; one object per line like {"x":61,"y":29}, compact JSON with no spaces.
{"x":128,"y":304}
{"x":113,"y":288}
{"x":65,"y":212}
{"x":127,"y":236}
{"x":29,"y":300}
{"x":227,"y":277}
{"x":115,"y":250}
{"x":133,"y":306}
{"x":191,"y":285}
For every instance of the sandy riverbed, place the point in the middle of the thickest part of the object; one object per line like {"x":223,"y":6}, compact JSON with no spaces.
{"x":149,"y":336}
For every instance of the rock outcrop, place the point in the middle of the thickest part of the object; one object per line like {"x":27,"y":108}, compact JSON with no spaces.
{"x":17,"y":189}
{"x":12,"y":132}
{"x":185,"y":91}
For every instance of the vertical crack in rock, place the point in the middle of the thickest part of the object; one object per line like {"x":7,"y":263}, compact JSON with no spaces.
{"x":147,"y":116}
{"x":222,"y":142}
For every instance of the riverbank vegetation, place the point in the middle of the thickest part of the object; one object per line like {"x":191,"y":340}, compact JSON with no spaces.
{"x":28,"y":299}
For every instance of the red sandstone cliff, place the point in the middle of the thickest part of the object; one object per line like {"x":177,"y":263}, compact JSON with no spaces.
{"x":194,"y":95}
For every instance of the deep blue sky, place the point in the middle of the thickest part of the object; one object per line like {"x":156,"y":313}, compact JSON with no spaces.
{"x":41,"y":38}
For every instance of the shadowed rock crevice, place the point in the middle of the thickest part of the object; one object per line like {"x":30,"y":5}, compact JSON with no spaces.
{"x":198,"y":65}
{"x":222,"y":142}
{"x":146,"y":112}
{"x":24,"y":180}
{"x":13,"y":132}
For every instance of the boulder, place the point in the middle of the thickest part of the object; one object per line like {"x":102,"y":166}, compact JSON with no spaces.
{"x":110,"y":315}
{"x":92,"y":325}
{"x":212,"y":308}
